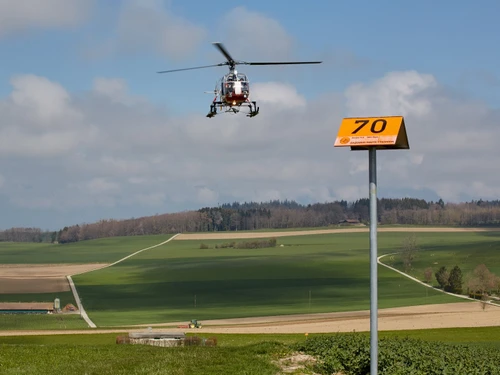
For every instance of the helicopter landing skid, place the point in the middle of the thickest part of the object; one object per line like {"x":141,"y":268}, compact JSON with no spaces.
{"x":254,"y":110}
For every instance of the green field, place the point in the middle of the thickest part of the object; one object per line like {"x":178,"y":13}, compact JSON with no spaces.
{"x":41,"y":321}
{"x":64,"y":297}
{"x":103,"y":250}
{"x":309,"y":274}
{"x":239,"y":354}
{"x":470,"y":251}
{"x":179,"y":281}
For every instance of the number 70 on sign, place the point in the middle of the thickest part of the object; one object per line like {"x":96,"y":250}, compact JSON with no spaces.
{"x":371,"y":131}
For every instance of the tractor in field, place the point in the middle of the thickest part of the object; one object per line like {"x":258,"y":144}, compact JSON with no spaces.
{"x":193,"y":324}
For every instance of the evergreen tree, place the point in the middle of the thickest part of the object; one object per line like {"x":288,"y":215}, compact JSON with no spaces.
{"x":442,"y":277}
{"x":455,"y":280}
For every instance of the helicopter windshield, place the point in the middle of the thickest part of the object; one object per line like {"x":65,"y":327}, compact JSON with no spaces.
{"x":242,"y":82}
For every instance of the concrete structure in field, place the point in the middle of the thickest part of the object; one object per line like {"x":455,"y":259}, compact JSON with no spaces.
{"x":163,"y":339}
{"x":26,"y":308}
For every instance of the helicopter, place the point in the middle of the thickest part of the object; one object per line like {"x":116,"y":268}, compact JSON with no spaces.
{"x":232,"y":91}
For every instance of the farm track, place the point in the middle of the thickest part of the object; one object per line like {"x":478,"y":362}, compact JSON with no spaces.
{"x":245,"y":235}
{"x":450,"y":315}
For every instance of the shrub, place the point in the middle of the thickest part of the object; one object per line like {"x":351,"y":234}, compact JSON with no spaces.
{"x":192,"y":341}
{"x":257,"y":244}
{"x":123,"y":340}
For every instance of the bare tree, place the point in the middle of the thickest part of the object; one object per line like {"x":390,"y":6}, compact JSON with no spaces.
{"x":481,"y":280}
{"x":410,"y":250}
{"x":428,"y":275}
{"x":484,"y":300}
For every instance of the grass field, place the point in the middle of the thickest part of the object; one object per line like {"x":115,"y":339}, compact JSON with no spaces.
{"x":468,"y":252}
{"x":103,"y":250}
{"x":234,"y":354}
{"x":41,"y":321}
{"x":314,"y":273}
{"x":180,"y":281}
{"x":64,"y":297}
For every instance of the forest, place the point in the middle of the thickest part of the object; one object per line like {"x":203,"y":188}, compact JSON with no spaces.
{"x":274,"y":214}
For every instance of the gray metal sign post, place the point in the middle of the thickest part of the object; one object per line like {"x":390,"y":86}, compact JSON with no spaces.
{"x":372,"y":164}
{"x":372,"y":134}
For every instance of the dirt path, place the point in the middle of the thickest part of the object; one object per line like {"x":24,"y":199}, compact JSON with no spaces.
{"x":241,"y":235}
{"x":451,"y":315}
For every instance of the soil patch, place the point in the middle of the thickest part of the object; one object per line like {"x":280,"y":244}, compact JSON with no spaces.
{"x":450,"y":315}
{"x":46,"y":270}
{"x":31,"y":285}
{"x":39,"y":278}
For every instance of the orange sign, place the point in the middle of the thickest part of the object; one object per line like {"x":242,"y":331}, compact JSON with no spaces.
{"x":363,"y":132}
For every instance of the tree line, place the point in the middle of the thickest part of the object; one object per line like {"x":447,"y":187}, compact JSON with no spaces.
{"x":481,"y":282}
{"x":274,"y":214}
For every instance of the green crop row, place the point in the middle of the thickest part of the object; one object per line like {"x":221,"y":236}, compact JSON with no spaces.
{"x":349,"y":354}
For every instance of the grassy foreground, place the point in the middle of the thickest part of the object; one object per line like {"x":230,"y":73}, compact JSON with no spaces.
{"x":309,"y":274}
{"x":255,"y":354}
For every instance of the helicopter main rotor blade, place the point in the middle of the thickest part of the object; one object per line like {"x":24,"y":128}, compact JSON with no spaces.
{"x":281,"y":63}
{"x":223,"y":50}
{"x":196,"y":67}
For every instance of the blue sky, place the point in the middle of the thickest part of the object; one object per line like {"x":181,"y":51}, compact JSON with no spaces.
{"x":90,"y":131}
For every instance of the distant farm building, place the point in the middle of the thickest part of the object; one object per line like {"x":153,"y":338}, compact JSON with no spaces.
{"x":26,"y":308}
{"x":350,"y":222}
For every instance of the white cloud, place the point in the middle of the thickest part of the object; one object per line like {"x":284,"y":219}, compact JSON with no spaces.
{"x":351,"y":192}
{"x":42,"y":99}
{"x":451,"y":139}
{"x":113,"y":88}
{"x":39,"y":119}
{"x":252,"y":35}
{"x":132,"y":156}
{"x":278,"y":94}
{"x":100,"y":185}
{"x":149,"y":199}
{"x":399,"y":93}
{"x":148,"y":26}
{"x":19,"y":16}
{"x":206,"y":195}
{"x":116,"y":90}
